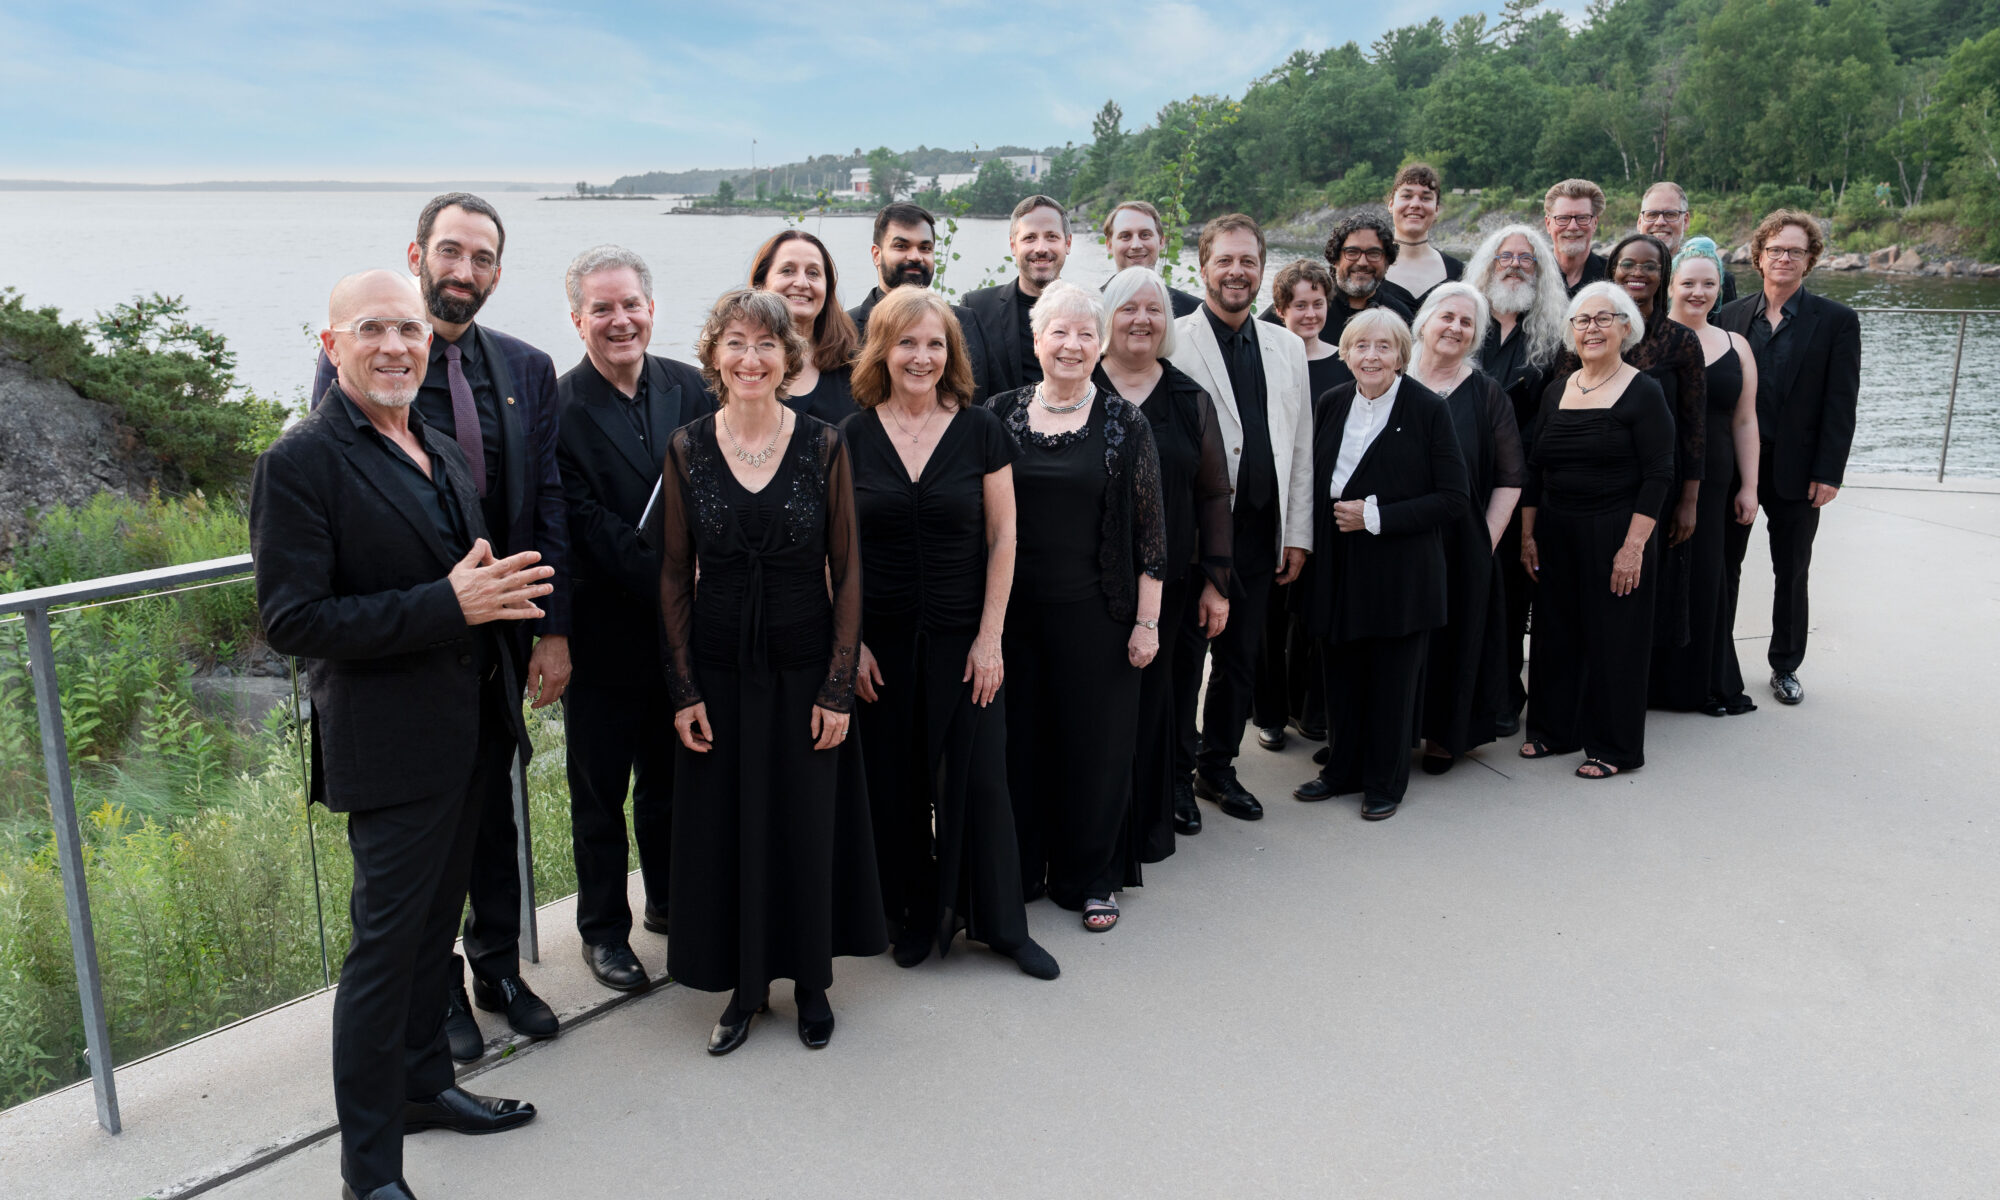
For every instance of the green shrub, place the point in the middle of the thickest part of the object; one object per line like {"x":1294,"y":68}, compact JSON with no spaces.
{"x":1362,"y":184}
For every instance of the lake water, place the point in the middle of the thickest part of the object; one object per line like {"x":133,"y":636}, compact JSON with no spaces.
{"x":256,"y":266}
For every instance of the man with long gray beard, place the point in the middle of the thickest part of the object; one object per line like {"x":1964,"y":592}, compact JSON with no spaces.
{"x":1513,"y":267}
{"x":373,"y":562}
{"x":495,"y":397}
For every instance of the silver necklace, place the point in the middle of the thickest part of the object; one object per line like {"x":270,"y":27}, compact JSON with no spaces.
{"x":917,"y":437}
{"x":754,"y":461}
{"x":1089,"y":394}
{"x":1581,"y":390}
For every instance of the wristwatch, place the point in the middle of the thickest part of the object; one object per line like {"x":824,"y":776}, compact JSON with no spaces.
{"x":1143,"y":623}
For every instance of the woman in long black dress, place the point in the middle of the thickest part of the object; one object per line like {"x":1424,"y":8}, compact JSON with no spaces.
{"x":1600,"y":467}
{"x":1194,"y":490}
{"x":934,"y":493}
{"x":773,"y":860}
{"x":1704,"y":676}
{"x":1084,"y":619}
{"x":795,"y":266}
{"x":1390,"y":478}
{"x":1465,"y":682}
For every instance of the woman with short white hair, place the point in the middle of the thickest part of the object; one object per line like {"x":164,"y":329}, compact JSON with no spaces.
{"x":1084,"y":617}
{"x":1600,"y":466}
{"x":1387,"y":469}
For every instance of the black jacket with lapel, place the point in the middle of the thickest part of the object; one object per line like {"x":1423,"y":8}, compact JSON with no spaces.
{"x":996,"y":310}
{"x":352,"y":578}
{"x":1390,"y":583}
{"x":968,"y":325}
{"x":1809,"y":421}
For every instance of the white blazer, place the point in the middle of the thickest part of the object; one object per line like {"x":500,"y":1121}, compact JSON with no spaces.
{"x":1288,"y":408}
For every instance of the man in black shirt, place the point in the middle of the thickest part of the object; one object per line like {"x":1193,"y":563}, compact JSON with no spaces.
{"x":905,"y":254}
{"x":1038,"y":235}
{"x":1135,"y":236}
{"x":1256,"y":373}
{"x":1570,"y":211}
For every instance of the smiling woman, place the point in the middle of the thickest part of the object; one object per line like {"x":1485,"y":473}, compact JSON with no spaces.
{"x":796,"y":267}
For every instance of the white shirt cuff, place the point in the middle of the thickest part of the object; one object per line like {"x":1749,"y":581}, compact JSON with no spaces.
{"x":1371,"y":516}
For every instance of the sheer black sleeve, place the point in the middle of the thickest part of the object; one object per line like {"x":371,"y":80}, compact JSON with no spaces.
{"x":1149,"y":513}
{"x":677,"y":569}
{"x":1652,"y":427}
{"x":1691,"y":402}
{"x":843,"y":567}
{"x":1509,"y":469}
{"x":1214,"y":528}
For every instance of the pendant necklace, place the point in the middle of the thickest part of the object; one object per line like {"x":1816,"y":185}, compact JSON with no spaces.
{"x":916,"y":438}
{"x":754,"y":461}
{"x":1582,"y":390}
{"x":1089,"y":394}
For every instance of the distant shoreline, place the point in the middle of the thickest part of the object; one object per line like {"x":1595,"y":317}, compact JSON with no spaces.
{"x":288,"y":185}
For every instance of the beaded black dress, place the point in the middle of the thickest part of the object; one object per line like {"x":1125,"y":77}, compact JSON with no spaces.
{"x":774,"y":860}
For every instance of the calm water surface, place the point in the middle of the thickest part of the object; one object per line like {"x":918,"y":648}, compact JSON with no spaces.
{"x":257,"y":266}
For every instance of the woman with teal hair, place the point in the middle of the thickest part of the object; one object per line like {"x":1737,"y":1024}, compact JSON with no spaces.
{"x":1704,"y":675}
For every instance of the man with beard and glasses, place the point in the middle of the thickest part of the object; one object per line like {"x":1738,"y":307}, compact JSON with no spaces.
{"x":1361,"y":249}
{"x":373,"y":561}
{"x":495,"y":397}
{"x":1135,"y":235}
{"x":905,"y":254}
{"x":1570,"y":211}
{"x":1664,"y":213}
{"x":1256,"y":373}
{"x":1038,"y":236}
{"x":1523,"y":337}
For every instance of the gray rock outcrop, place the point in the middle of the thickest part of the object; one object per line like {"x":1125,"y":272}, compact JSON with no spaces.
{"x":56,"y":447}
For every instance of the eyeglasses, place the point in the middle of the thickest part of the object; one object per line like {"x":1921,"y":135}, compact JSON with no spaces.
{"x":1508,"y":258}
{"x":1662,"y":214}
{"x":1356,"y":254}
{"x":1579,"y":219}
{"x":1632,"y":266}
{"x":1786,"y":253}
{"x":451,"y":256}
{"x":1602,"y":320}
{"x":372,"y":330}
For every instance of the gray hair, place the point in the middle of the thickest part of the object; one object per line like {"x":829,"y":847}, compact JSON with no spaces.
{"x":1604,"y":289}
{"x":603,"y":258}
{"x":1064,"y":299}
{"x":1542,"y":323}
{"x":1370,"y":322}
{"x":1482,"y":312}
{"x":1680,"y":193}
{"x":1126,"y":285}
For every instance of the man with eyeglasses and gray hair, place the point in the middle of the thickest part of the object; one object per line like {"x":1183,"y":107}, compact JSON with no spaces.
{"x":1664,"y":213}
{"x":1570,"y":211}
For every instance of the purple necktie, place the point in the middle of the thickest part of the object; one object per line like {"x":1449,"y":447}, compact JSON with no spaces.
{"x":465,"y":415}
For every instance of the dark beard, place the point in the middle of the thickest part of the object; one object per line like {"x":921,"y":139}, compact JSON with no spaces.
{"x":912,"y":273}
{"x":447,"y":309}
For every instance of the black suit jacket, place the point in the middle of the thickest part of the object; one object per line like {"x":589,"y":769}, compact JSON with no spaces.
{"x":607,"y":477}
{"x":353,"y":578}
{"x":996,"y":310}
{"x":1809,"y":419}
{"x":975,"y":337}
{"x":525,"y":379}
{"x":1390,"y":583}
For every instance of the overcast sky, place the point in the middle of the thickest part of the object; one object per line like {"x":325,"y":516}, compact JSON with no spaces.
{"x":508,"y":89}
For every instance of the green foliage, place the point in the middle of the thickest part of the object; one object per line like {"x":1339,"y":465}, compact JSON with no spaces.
{"x":171,"y":380}
{"x":888,"y":174}
{"x":1362,"y":184}
{"x":725,"y":192}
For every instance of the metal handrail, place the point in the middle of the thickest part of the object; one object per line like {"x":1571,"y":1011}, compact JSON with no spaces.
{"x":1957,"y":357}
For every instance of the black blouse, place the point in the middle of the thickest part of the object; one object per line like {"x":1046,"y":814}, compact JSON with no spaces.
{"x":923,"y":542}
{"x":1483,"y":418}
{"x":1194,"y":476}
{"x":1325,"y":374}
{"x":1671,"y":354}
{"x":1124,"y":470}
{"x":1592,"y":461}
{"x":766,"y":559}
{"x":831,"y":399}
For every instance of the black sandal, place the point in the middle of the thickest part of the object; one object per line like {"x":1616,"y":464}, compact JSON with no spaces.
{"x":1604,"y":769}
{"x":1536,"y":748}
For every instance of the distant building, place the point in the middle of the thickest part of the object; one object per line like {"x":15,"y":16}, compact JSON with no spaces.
{"x":1027,"y":166}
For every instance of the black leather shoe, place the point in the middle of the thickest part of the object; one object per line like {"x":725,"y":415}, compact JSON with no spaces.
{"x":654,"y":921}
{"x":1035,"y":961}
{"x":1379,"y":809}
{"x":1322,"y":756}
{"x":1508,"y":724}
{"x":912,"y":946}
{"x":388,"y":1191}
{"x":1786,"y":687}
{"x":727,"y":1036}
{"x":1438,"y":764}
{"x":461,"y":1030}
{"x":1231,"y":797}
{"x":1310,"y":732}
{"x":616,"y":967}
{"x":462,"y":1112}
{"x":1187,"y":814}
{"x":816,"y":1034}
{"x":1272,"y":738}
{"x":1314,"y":789}
{"x":525,"y":1011}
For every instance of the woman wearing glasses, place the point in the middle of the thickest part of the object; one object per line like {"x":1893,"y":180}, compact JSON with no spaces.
{"x":1600,"y":468}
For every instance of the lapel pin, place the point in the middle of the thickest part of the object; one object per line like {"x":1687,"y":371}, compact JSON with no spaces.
{"x":510,"y":399}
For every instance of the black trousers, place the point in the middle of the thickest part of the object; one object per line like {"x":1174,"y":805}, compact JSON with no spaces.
{"x":1232,"y":685}
{"x":1371,"y":703}
{"x":619,"y":739}
{"x":1593,"y":651}
{"x":1290,"y":681}
{"x":411,"y":863}
{"x":1518,"y":591}
{"x":492,"y":931}
{"x":1190,"y":654}
{"x":1793,"y":525}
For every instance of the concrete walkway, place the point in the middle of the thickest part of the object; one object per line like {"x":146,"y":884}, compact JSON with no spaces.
{"x":1761,"y":967}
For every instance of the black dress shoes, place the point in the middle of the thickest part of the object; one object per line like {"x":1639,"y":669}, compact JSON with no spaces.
{"x":616,"y":967}
{"x":654,"y":920}
{"x":1187,"y":815}
{"x":462,"y":1112}
{"x":388,"y":1191}
{"x":525,"y":1011}
{"x":1322,"y":756}
{"x":1508,"y":724}
{"x":1377,"y":808}
{"x":1230,"y":796}
{"x":461,"y":1030}
{"x":1272,"y":738}
{"x":816,"y":1032}
{"x":912,"y":946}
{"x":1438,"y":764}
{"x":1035,"y":961}
{"x":1314,"y":789}
{"x":728,"y":1035}
{"x":1786,"y":687}
{"x":1309,"y":731}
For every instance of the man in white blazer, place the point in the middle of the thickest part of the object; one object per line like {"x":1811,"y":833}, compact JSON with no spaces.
{"x":1256,"y":374}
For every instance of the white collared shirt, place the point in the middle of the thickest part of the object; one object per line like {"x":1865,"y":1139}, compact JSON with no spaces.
{"x":1365,"y":422}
